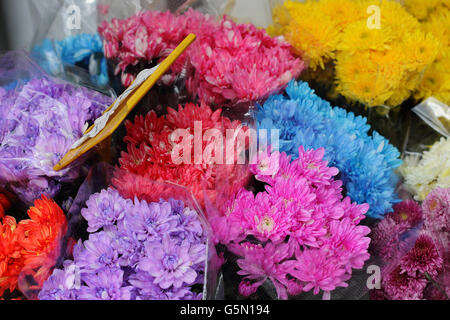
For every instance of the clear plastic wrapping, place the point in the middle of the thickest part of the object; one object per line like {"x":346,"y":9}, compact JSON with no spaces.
{"x":67,"y":40}
{"x":98,"y":211}
{"x":41,"y":118}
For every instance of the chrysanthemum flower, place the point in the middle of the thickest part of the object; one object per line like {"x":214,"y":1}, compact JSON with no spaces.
{"x":408,"y":211}
{"x":430,"y":172}
{"x":31,"y":246}
{"x":230,"y":62}
{"x":423,"y":258}
{"x":151,"y":148}
{"x":398,"y":285}
{"x":374,"y":65}
{"x":437,"y":210}
{"x":82,"y":50}
{"x":11,"y":261}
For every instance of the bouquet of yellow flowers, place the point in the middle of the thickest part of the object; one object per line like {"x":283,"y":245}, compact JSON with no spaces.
{"x":379,"y":51}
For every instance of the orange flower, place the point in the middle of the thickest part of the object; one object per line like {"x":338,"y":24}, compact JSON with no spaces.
{"x":11,"y":262}
{"x":31,"y":246}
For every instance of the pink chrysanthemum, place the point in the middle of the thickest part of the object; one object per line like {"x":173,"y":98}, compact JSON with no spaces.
{"x":399,"y":285}
{"x":423,"y":258}
{"x":308,"y":236}
{"x":386,"y":238}
{"x":436,"y":209}
{"x":408,"y":211}
{"x":229,"y":62}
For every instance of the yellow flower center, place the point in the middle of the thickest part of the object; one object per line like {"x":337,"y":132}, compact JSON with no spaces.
{"x":266,"y":224}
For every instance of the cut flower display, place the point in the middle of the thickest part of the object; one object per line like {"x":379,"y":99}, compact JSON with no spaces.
{"x":299,"y":233}
{"x":377,"y":62}
{"x":150,"y":155}
{"x":412,"y":243}
{"x":84,"y":50}
{"x":431,"y":170}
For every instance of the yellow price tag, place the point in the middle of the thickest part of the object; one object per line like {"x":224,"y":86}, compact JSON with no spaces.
{"x":122,"y":107}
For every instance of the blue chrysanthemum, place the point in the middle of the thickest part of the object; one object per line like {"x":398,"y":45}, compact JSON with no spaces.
{"x":366,"y":162}
{"x":84,"y":49}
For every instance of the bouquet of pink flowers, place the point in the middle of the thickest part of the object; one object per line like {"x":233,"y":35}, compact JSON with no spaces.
{"x":297,"y":232}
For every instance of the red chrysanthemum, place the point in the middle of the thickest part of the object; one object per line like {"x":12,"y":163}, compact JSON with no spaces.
{"x":150,"y":149}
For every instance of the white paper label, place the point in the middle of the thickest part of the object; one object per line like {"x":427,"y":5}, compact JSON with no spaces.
{"x":101,"y":122}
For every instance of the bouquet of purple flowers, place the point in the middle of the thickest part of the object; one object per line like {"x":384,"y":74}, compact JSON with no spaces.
{"x":41,"y":119}
{"x":134,"y":249}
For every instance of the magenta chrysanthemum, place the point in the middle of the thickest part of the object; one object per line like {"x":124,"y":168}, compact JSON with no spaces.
{"x":423,"y":258}
{"x":437,"y":210}
{"x":308,"y":237}
{"x":399,"y":285}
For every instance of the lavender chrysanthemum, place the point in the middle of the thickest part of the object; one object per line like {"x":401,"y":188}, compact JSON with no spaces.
{"x":105,"y":209}
{"x":172,"y":264}
{"x":43,"y":119}
{"x":145,"y":251}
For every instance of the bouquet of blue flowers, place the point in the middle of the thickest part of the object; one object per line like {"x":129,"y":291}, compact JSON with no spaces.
{"x":366,"y":161}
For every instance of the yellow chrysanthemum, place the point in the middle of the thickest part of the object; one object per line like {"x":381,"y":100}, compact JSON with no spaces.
{"x":315,"y":42}
{"x":361,"y":83}
{"x":422,"y":49}
{"x":421,"y":9}
{"x":357,"y":37}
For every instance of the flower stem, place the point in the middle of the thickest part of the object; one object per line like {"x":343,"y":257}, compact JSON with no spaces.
{"x":429,"y":278}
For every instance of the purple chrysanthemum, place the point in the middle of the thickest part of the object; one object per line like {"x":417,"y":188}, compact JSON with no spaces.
{"x":146,"y":251}
{"x":437,"y":210}
{"x":105,"y":284}
{"x":172,"y":264}
{"x":407,"y":211}
{"x":149,"y":221}
{"x":41,"y":121}
{"x":97,"y":252}
{"x":104,"y":209}
{"x":399,"y":285}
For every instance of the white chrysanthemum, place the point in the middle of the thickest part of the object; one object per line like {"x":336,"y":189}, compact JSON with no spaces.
{"x":432,"y":171}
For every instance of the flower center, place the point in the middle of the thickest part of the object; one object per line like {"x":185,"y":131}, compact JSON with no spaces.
{"x":169,"y":261}
{"x":266,"y":224}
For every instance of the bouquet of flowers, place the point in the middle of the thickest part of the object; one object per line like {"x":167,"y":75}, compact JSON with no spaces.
{"x":133,"y":249}
{"x":424,"y":173}
{"x":376,"y":62}
{"x":229,"y":62}
{"x":41,"y":119}
{"x":66,"y":42}
{"x":415,"y":259}
{"x":297,"y":231}
{"x":366,"y":162}
{"x":435,"y":19}
{"x":188,"y":147}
